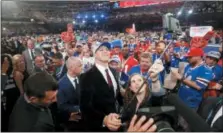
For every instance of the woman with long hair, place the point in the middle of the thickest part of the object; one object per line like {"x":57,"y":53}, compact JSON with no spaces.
{"x":142,"y":98}
{"x":10,"y":91}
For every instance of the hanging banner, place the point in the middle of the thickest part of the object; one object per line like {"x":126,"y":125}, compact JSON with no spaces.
{"x":200,"y":31}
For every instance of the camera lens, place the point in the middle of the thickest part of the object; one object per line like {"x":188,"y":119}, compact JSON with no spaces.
{"x":164,"y":126}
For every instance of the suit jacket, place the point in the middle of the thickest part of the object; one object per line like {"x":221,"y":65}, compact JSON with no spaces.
{"x":97,"y":99}
{"x":67,"y":98}
{"x":27,"y":117}
{"x":29,"y":61}
{"x":206,"y":107}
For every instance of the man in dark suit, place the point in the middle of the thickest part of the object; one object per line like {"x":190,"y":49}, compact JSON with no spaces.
{"x":39,"y":64}
{"x":211,"y":110}
{"x":60,"y":67}
{"x":29,"y":55}
{"x":68,"y":96}
{"x":31,"y":112}
{"x":100,"y":93}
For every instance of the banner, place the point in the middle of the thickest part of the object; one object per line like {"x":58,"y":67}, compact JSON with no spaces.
{"x":200,"y":31}
{"x":133,"y":3}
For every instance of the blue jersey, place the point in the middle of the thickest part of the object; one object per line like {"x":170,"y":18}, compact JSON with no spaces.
{"x":202,"y":76}
{"x":181,"y":51}
{"x":217,"y":73}
{"x":137,"y":70}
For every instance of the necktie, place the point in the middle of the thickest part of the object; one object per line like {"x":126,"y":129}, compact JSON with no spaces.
{"x":108,"y":79}
{"x":32,"y":54}
{"x":76,"y":84}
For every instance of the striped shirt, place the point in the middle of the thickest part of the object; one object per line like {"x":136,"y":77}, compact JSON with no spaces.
{"x":201,"y":75}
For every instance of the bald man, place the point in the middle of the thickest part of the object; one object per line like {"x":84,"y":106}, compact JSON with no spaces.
{"x":29,"y":55}
{"x":68,"y":95}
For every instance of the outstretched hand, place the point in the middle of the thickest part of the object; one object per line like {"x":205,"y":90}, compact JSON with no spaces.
{"x":140,"y":127}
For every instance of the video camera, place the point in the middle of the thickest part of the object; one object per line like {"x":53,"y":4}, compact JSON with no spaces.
{"x":165,"y":117}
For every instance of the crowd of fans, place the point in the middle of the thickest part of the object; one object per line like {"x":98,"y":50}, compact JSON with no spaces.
{"x":52,"y":85}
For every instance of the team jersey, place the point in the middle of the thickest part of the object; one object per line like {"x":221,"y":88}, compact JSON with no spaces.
{"x":129,"y":63}
{"x":217,"y":73}
{"x":141,"y":48}
{"x":200,"y":74}
{"x":217,"y":76}
{"x":181,"y":51}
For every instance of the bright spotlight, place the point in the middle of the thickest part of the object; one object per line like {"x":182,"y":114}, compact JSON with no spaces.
{"x":78,"y":16}
{"x":93,"y":16}
{"x":86,"y":16}
{"x":74,"y":22}
{"x":31,"y":19}
{"x":190,"y":11}
{"x":96,"y":21}
{"x":83,"y":21}
{"x":179,"y":13}
{"x":4,"y":28}
{"x":102,"y":15}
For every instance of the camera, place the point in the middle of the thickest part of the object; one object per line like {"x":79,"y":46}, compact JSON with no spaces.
{"x":165,"y":117}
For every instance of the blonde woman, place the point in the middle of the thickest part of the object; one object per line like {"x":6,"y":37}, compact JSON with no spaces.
{"x":18,"y":71}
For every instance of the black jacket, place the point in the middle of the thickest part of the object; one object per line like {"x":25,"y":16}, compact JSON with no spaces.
{"x":26,"y":117}
{"x":209,"y":105}
{"x":97,"y":100}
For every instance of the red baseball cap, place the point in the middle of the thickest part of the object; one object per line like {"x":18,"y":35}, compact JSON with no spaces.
{"x":195,"y":52}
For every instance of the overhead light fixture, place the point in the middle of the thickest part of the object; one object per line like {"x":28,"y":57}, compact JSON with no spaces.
{"x":96,"y":21}
{"x":179,"y":13}
{"x":4,"y":28}
{"x":93,"y":16}
{"x":83,"y":21}
{"x":31,"y":19}
{"x":102,"y":15}
{"x":190,"y":11}
{"x":78,"y":16}
{"x":86,"y":16}
{"x":74,"y":22}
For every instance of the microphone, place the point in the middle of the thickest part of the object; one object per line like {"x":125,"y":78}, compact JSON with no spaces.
{"x":196,"y":123}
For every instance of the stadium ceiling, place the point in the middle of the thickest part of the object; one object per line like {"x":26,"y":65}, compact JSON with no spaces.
{"x":45,"y":10}
{"x":63,"y":11}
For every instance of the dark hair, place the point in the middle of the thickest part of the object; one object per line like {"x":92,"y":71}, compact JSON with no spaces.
{"x":129,"y":94}
{"x":37,"y":84}
{"x":10,"y":69}
{"x":58,"y":56}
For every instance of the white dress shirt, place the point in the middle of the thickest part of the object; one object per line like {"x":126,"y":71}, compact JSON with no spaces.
{"x":72,"y":80}
{"x":102,"y":70}
{"x":219,"y":114}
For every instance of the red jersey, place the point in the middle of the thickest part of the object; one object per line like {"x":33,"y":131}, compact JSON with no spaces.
{"x":129,"y":63}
